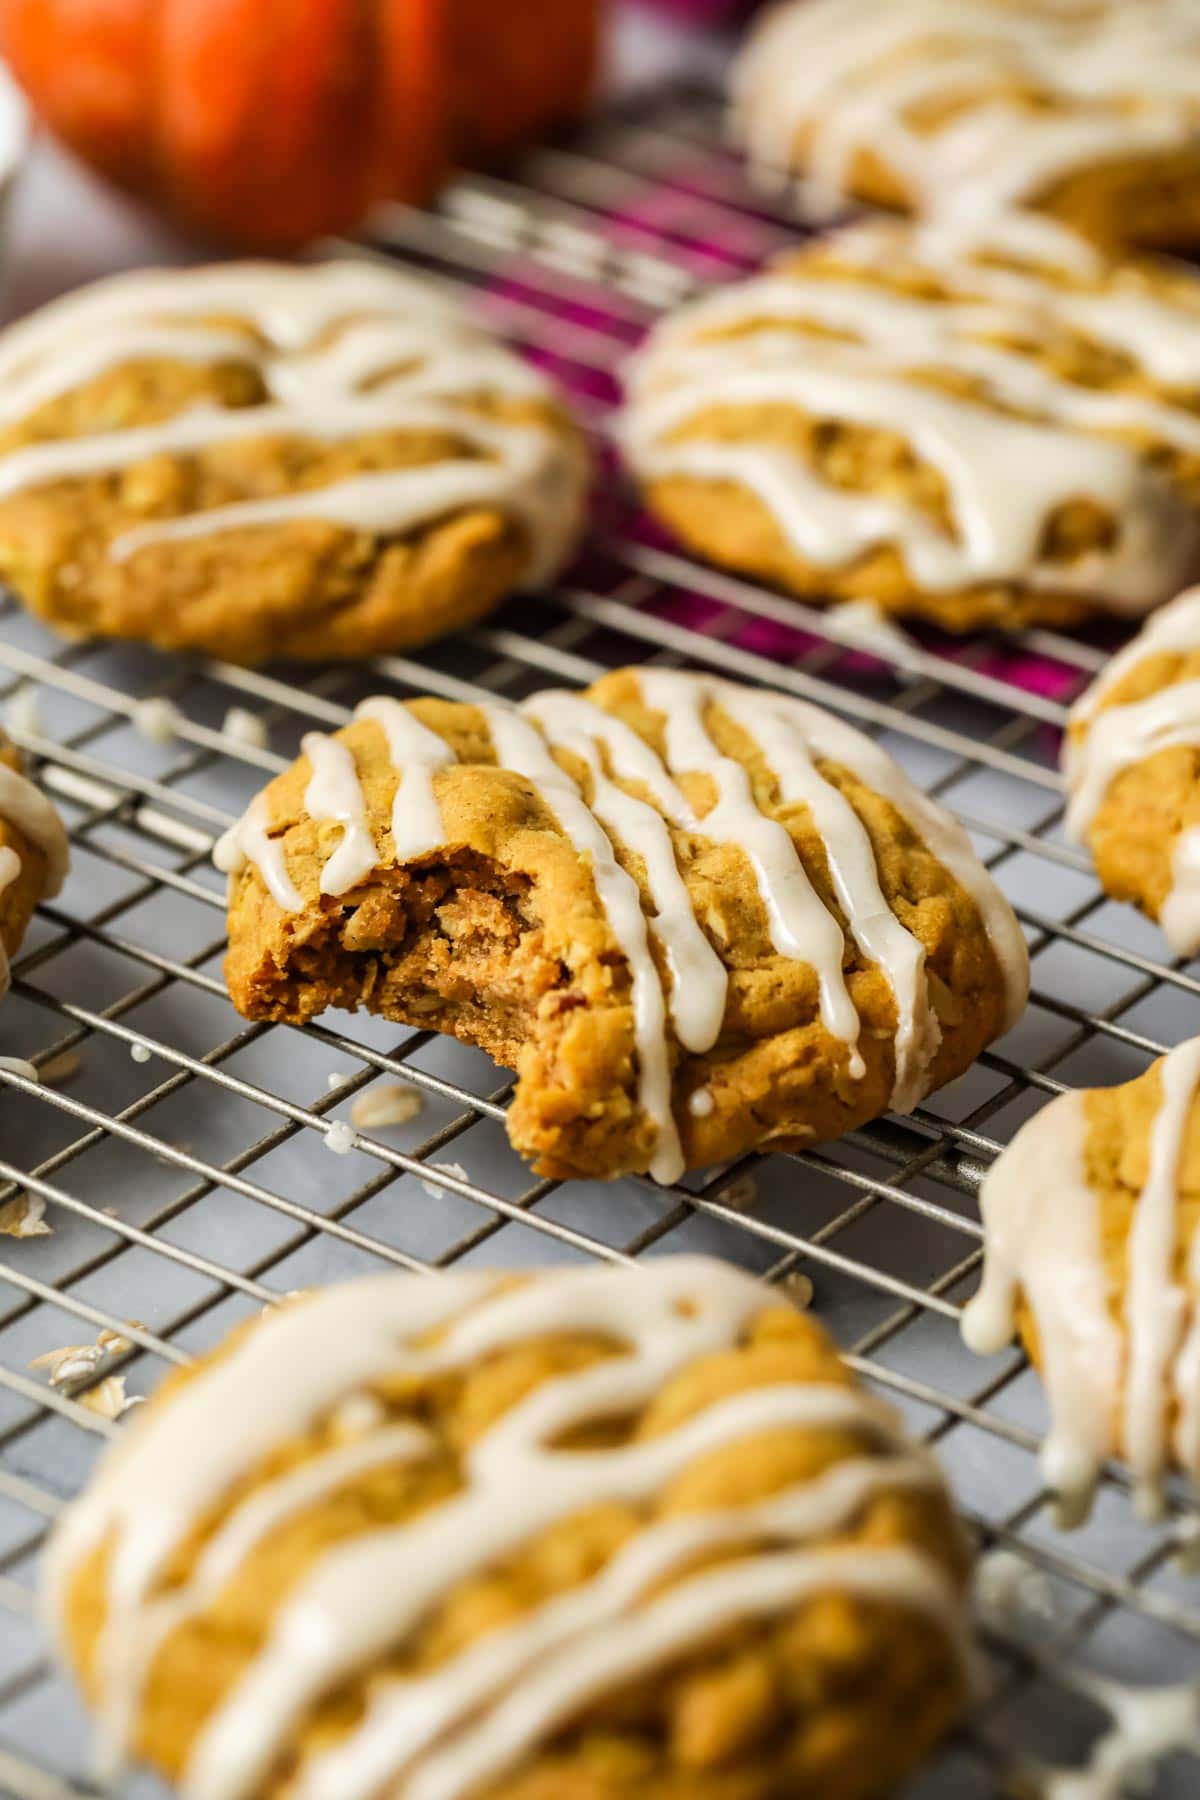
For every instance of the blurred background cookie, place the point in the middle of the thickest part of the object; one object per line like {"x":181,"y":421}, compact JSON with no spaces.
{"x":260,"y":460}
{"x":1088,"y":112}
{"x":1090,"y":1220}
{"x":593,"y":1531}
{"x":1132,"y":763}
{"x":993,"y":431}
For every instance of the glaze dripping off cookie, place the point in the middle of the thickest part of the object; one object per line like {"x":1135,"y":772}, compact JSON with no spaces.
{"x":1092,"y":1255}
{"x":696,"y":918}
{"x":1131,"y":756}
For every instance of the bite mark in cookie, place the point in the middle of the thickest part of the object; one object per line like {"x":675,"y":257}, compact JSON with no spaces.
{"x":261,"y":460}
{"x":972,"y":435}
{"x":668,"y":883}
{"x":1132,"y":761}
{"x":585,"y":1531}
{"x":1091,"y":1249}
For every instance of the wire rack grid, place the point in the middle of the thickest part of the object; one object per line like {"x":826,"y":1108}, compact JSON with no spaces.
{"x":183,"y":1156}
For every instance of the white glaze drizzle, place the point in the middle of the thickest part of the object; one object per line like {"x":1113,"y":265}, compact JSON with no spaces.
{"x":844,"y":76}
{"x":520,"y":747}
{"x":111,"y":347}
{"x":792,"y":738}
{"x":248,"y":843}
{"x":343,"y":349}
{"x":1006,"y":467}
{"x":417,"y":753}
{"x":667,"y":1627}
{"x":248,"y":1525}
{"x":469,"y":1719}
{"x":699,"y":982}
{"x":335,"y":792}
{"x":1103,"y":741}
{"x":1112,"y":1377}
{"x":1148,"y":1724}
{"x":826,"y":738}
{"x":1041,"y":1218}
{"x":799,"y":925}
{"x":875,"y":928}
{"x":1179,"y":914}
{"x":1156,"y":1307}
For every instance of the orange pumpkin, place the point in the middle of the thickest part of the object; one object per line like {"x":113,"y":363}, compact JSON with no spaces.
{"x":518,"y":68}
{"x":273,"y":121}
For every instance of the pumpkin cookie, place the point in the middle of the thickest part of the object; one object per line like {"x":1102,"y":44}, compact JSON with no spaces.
{"x":34,"y":854}
{"x":257,"y":460}
{"x":593,"y":1534}
{"x":978,"y":436}
{"x":1132,"y":761}
{"x":1090,"y":1218}
{"x":1089,"y":113}
{"x":695,"y":917}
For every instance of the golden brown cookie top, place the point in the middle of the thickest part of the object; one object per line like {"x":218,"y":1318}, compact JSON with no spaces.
{"x":992,"y":411}
{"x":398,"y":412}
{"x":965,"y":106}
{"x":744,"y":855}
{"x":1090,"y":1219}
{"x":1144,"y":704}
{"x":431,"y":1526}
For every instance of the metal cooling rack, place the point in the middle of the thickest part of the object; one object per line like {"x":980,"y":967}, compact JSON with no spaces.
{"x":183,"y":1162}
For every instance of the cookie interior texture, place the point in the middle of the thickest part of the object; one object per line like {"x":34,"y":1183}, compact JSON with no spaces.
{"x":1132,"y":760}
{"x":513,"y":934}
{"x":1090,"y":1217}
{"x":1083,"y":113}
{"x":796,"y":1627}
{"x":374,"y":470}
{"x":989,"y":432}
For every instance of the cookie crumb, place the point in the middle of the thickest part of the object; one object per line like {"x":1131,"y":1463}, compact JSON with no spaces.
{"x":1009,"y":1587}
{"x":393,"y":1103}
{"x":19,"y":1066}
{"x":157,"y":719}
{"x":24,"y":1217}
{"x":23,"y":714}
{"x":341,"y":1138}
{"x":798,"y":1288}
{"x":241,"y":726}
{"x":76,"y":1362}
{"x":109,"y":1399}
{"x":454,"y":1169}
